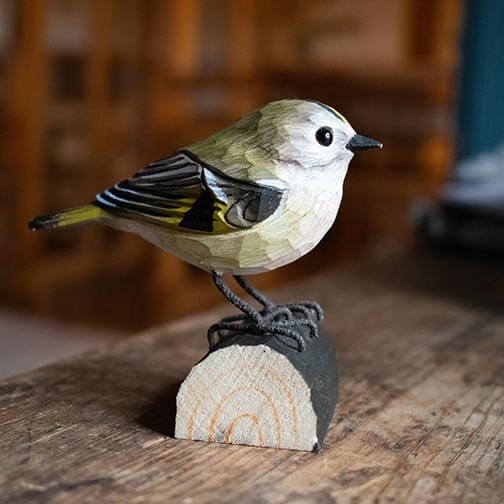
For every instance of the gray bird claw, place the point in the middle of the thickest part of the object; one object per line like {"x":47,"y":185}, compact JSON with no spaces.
{"x":274,"y":320}
{"x":310,"y":310}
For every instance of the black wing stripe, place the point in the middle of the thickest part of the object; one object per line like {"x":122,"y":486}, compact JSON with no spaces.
{"x":100,"y":199}
{"x":185,"y":180}
{"x":166,"y":184}
{"x":120,"y":199}
{"x":166,"y":177}
{"x":138,"y":197}
{"x":164,"y":189}
{"x":167,"y":170}
{"x":159,"y":191}
{"x":120,"y":203}
{"x":174,"y":161}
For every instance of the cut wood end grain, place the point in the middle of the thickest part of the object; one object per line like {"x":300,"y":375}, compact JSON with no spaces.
{"x":259,"y":395}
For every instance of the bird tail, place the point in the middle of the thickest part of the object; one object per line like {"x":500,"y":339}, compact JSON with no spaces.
{"x":68,"y":217}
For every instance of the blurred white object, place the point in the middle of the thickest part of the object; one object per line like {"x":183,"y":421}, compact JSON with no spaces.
{"x":479,"y":184}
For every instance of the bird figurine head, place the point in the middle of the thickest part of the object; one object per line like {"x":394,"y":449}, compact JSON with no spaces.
{"x":309,"y":134}
{"x":287,"y":140}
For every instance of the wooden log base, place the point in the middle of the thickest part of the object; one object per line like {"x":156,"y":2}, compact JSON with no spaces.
{"x":258,"y":391}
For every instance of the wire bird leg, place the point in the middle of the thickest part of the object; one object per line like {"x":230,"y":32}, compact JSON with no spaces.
{"x":310,"y":309}
{"x":276,"y":320}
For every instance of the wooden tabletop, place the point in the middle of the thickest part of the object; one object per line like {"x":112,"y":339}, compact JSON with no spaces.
{"x":420,"y":343}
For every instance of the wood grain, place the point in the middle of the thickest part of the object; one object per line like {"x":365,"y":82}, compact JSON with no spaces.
{"x":420,"y":417}
{"x":249,"y":395}
{"x":258,"y":391}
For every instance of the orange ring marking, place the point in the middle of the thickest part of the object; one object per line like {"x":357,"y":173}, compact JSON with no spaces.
{"x":292,"y":403}
{"x":190,"y":425}
{"x":254,"y":419}
{"x":211,"y":434}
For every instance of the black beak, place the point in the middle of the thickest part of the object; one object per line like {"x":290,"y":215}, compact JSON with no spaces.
{"x":359,"y":142}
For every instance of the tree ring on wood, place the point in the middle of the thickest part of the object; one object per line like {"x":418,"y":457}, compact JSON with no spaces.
{"x":259,"y":391}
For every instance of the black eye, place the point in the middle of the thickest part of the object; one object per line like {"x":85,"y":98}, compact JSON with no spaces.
{"x":324,"y":136}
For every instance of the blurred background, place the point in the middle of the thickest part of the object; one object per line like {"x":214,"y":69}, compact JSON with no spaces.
{"x":91,"y":91}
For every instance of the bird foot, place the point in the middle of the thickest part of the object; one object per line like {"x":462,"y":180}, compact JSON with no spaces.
{"x":302,"y":310}
{"x":274,"y":320}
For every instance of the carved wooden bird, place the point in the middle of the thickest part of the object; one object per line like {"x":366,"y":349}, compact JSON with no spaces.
{"x":250,"y":198}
